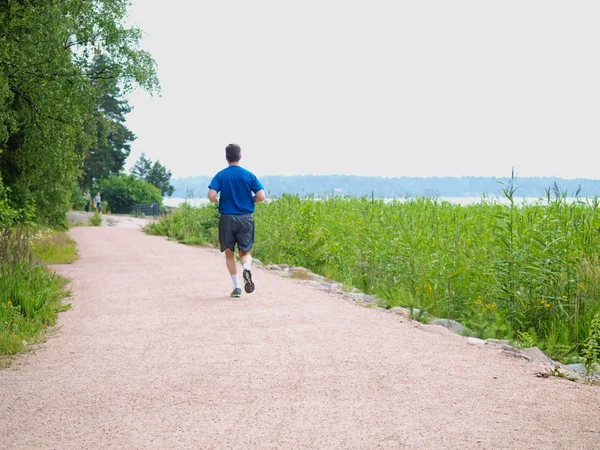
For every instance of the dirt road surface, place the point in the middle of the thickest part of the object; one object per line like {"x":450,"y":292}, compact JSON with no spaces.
{"x":155,"y":354}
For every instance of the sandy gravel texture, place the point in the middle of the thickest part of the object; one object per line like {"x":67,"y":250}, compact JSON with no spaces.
{"x":155,"y":354}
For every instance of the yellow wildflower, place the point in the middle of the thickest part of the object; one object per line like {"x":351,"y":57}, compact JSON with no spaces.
{"x":488,"y":307}
{"x":9,"y":303}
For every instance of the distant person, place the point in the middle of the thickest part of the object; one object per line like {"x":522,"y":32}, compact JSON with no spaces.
{"x":97,"y":202}
{"x":88,"y":200}
{"x":239,"y":191}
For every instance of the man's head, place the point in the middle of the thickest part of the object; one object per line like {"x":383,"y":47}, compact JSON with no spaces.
{"x":233,"y":153}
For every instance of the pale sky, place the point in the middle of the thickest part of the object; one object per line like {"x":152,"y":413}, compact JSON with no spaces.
{"x":372,"y":88}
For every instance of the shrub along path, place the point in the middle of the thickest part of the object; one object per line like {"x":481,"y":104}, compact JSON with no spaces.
{"x":155,"y":354}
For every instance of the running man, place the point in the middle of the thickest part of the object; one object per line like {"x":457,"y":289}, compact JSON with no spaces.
{"x":239,"y":191}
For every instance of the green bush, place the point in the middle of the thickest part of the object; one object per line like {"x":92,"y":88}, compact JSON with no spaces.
{"x":78,"y":201}
{"x":189,"y":225}
{"x":123,"y":192}
{"x":95,"y":220}
{"x":43,"y":195}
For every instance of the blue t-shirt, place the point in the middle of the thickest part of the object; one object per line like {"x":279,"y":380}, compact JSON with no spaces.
{"x":237,"y":186}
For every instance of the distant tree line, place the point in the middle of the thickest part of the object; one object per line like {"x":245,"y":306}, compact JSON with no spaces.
{"x":321,"y":185}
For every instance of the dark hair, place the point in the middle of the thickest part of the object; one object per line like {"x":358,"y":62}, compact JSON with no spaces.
{"x":233,"y":153}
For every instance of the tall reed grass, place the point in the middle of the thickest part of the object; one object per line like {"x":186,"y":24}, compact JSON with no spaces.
{"x":526,"y":272}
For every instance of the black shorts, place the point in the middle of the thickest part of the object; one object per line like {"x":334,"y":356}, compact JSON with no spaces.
{"x":236,"y":229}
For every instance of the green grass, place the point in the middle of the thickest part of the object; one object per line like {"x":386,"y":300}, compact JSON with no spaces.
{"x":54,"y":247}
{"x":522,"y":272}
{"x":189,"y":225}
{"x":30,"y":294}
{"x":95,"y":220}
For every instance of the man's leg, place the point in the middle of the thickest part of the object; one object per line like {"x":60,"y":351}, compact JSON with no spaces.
{"x":246,"y":260}
{"x":232,"y":267}
{"x":245,"y":240}
{"x":227,"y":244}
{"x":230,"y":261}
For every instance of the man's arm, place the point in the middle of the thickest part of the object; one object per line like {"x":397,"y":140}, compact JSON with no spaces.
{"x":259,"y":196}
{"x":212,"y":196}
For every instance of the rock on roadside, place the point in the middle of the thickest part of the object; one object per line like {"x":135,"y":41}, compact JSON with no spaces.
{"x":452,"y":325}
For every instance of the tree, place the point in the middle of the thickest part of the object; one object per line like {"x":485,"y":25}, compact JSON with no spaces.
{"x":142,"y":167}
{"x":159,"y":176}
{"x":123,"y":192}
{"x":155,"y":174}
{"x":48,"y":99}
{"x":108,"y":155}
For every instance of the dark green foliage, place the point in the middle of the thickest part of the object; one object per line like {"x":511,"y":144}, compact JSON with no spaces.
{"x":112,"y":147}
{"x":7,"y":214}
{"x":49,"y":94}
{"x":122,"y":192}
{"x":78,"y":201}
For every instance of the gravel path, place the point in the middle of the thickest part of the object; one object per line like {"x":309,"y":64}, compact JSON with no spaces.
{"x":154,"y":354}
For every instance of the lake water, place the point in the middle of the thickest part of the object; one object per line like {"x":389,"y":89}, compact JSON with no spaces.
{"x":174,"y":202}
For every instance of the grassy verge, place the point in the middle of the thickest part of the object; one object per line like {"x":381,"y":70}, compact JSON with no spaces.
{"x":30,"y":294}
{"x":529,"y":273}
{"x":54,"y":247}
{"x":189,"y":225}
